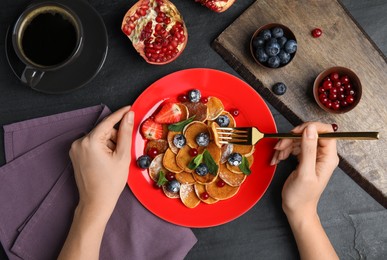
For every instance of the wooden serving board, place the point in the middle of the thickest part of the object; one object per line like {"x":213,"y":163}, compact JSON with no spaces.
{"x":343,"y":43}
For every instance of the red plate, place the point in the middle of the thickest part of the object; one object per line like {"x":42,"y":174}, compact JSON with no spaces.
{"x":234,"y":93}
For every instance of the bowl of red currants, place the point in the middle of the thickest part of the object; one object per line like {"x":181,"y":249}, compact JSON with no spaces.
{"x":273,"y":45}
{"x":337,"y":90}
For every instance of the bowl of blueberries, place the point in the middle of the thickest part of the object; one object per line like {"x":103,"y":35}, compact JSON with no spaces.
{"x":273,"y":45}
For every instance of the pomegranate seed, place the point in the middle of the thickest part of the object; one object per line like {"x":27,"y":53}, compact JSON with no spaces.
{"x":204,"y":100}
{"x":204,"y":195}
{"x":234,"y":112}
{"x":152,"y":152}
{"x":170,"y":176}
{"x":335,"y":127}
{"x":193,"y":152}
{"x":220,"y":183}
{"x":317,"y":32}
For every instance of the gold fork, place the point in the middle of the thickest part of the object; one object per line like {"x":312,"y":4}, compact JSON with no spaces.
{"x":251,"y":135}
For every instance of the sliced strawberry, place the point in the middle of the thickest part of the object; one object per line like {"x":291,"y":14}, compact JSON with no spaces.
{"x":169,"y":113}
{"x":151,"y":130}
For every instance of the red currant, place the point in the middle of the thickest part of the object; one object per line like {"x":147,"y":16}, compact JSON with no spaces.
{"x":333,"y":90}
{"x":152,"y":152}
{"x":350,"y":99}
{"x":328,"y":104}
{"x":317,"y":32}
{"x":193,"y":152}
{"x":337,"y":83}
{"x":327,"y":84}
{"x":204,"y":195}
{"x":170,"y":176}
{"x":204,"y":100}
{"x":341,"y":97}
{"x":234,"y":112}
{"x":344,"y":80}
{"x":336,"y":105}
{"x":343,"y":103}
{"x":321,"y":90}
{"x":182,"y":98}
{"x":323,"y":98}
{"x":335,"y":127}
{"x":347,"y":86}
{"x":332,"y":96}
{"x":334,"y":76}
{"x":220,"y":183}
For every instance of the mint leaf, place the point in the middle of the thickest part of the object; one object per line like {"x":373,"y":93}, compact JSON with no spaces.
{"x":244,"y":166}
{"x":161,"y":180}
{"x":209,"y":161}
{"x":195,"y":162}
{"x":178,"y":127}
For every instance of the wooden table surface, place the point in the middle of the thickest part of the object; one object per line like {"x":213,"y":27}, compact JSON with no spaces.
{"x":343,"y":43}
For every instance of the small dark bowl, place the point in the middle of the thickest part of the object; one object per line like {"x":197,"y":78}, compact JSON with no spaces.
{"x":354,"y":80}
{"x":287,"y":33}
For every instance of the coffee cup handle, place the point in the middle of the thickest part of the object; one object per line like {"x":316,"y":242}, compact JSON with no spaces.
{"x":31,"y":76}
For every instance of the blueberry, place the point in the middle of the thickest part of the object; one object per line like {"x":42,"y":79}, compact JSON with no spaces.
{"x":284,"y":57}
{"x":223,"y":121}
{"x":265,"y":34}
{"x":202,"y":169}
{"x":291,"y":46}
{"x":194,"y":95}
{"x":277,"y":32}
{"x":282,"y":41}
{"x":272,"y":48}
{"x":144,"y":161}
{"x":235,"y":159}
{"x":173,"y":186}
{"x":279,"y":88}
{"x":203,"y":139}
{"x":274,"y":62}
{"x":258,"y":42}
{"x":261,"y":55}
{"x":179,"y":140}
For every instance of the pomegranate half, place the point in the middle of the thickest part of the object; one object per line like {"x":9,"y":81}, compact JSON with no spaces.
{"x":216,"y":5}
{"x":156,"y":30}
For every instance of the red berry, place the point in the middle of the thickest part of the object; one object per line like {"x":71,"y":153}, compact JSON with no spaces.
{"x":332,"y":96}
{"x":335,"y":127}
{"x":350,"y":92}
{"x":334,"y":76}
{"x":321,"y":90}
{"x":193,"y":152}
{"x":347,"y":86}
{"x":220,"y":183}
{"x":350,"y":99}
{"x":234,"y":112}
{"x":337,"y":83}
{"x":182,"y":98}
{"x":152,"y":152}
{"x":204,"y":195}
{"x":333,"y":90}
{"x":317,"y":32}
{"x":323,"y":98}
{"x":344,"y":80}
{"x":327,"y":84}
{"x":343,"y":103}
{"x":170,"y":176}
{"x":327,"y":78}
{"x":328,"y":104}
{"x":341,"y":97}
{"x":336,"y":105}
{"x":204,"y":100}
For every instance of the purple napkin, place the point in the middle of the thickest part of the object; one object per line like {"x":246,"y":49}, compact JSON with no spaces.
{"x":38,"y":196}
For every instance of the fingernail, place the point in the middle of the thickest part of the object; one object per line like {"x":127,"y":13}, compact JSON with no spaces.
{"x":335,"y":127}
{"x":311,"y":132}
{"x":130,"y":117}
{"x":273,"y":161}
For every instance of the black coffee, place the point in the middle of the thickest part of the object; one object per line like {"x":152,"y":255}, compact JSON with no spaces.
{"x":49,"y":39}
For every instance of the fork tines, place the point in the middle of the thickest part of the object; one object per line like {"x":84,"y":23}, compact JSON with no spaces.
{"x":233,"y":135}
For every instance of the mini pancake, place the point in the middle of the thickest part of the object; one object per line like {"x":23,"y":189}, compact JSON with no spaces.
{"x":183,"y":158}
{"x":235,"y":169}
{"x":232,"y":119}
{"x":226,"y":151}
{"x":170,"y":136}
{"x":200,"y":189}
{"x":221,"y":193}
{"x":192,"y":131}
{"x":199,"y":110}
{"x":232,"y":179}
{"x":245,"y":150}
{"x":188,"y":195}
{"x":156,"y":166}
{"x":208,"y":178}
{"x":215,"y":152}
{"x":160,"y":144}
{"x":185,"y":178}
{"x":214,"y":108}
{"x":214,"y":133}
{"x":184,"y":111}
{"x":169,"y":162}
{"x":169,"y":194}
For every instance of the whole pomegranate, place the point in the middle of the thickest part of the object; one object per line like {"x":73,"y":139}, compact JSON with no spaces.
{"x":156,"y":30}
{"x":216,"y":5}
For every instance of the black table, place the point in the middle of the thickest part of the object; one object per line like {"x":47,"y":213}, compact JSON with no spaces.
{"x":263,"y":232}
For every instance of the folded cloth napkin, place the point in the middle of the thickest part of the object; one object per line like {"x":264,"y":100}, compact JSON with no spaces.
{"x":38,"y":195}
